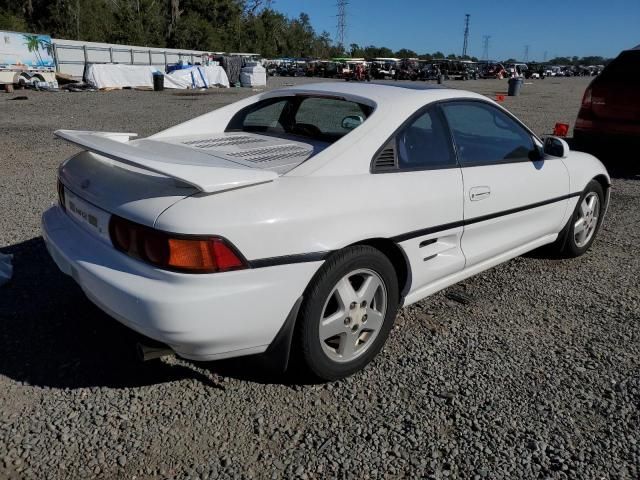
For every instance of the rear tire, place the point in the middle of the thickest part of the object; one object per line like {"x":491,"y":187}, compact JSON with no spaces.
{"x":583,"y":226}
{"x":348,"y":311}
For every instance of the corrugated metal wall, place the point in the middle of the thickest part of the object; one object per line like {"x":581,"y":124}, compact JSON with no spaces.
{"x":71,"y":55}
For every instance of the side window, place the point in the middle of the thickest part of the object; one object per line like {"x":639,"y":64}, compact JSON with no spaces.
{"x":425,"y":143}
{"x":484,"y":135}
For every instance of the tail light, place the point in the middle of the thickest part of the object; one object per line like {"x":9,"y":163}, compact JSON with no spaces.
{"x":586,"y":99}
{"x":191,"y":254}
{"x":61,"y":195}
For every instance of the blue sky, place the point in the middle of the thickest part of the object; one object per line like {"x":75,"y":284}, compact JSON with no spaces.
{"x":560,"y":28}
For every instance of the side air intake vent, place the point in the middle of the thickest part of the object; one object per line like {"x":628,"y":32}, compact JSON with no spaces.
{"x":386,"y":159}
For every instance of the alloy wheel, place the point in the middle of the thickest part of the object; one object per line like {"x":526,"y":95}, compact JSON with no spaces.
{"x":353,"y":315}
{"x":585,"y":226}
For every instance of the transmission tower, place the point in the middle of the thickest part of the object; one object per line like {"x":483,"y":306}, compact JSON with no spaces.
{"x":526,"y":53}
{"x":342,"y":21}
{"x":466,"y":35}
{"x":485,"y":47}
{"x":545,"y":57}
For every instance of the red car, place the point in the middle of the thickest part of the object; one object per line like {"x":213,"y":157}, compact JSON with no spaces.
{"x":611,"y":104}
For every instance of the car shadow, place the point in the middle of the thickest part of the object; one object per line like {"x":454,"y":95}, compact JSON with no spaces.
{"x":51,"y":335}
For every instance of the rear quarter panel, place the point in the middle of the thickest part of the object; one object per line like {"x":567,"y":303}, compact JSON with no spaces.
{"x":297,"y":215}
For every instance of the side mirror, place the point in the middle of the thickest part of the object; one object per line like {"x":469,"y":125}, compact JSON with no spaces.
{"x":352,"y":121}
{"x":556,"y":147}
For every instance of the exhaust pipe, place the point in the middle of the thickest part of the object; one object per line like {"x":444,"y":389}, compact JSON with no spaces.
{"x":148,"y":352}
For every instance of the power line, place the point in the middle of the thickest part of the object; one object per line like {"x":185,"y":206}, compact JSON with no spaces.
{"x":485,"y":47}
{"x":342,"y":21}
{"x":465,"y":45}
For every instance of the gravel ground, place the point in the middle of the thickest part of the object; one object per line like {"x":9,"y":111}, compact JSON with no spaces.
{"x":538,"y":376}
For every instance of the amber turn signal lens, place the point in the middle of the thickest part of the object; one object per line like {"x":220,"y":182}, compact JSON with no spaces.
{"x":210,"y":255}
{"x":174,"y":252}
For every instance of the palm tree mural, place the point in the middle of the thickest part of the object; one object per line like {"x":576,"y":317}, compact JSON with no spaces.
{"x":36,"y":43}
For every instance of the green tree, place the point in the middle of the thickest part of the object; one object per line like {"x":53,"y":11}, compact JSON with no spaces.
{"x":405,"y":53}
{"x":9,"y":21}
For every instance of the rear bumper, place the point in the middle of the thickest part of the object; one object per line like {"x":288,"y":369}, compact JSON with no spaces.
{"x":592,"y":127}
{"x":201,"y":317}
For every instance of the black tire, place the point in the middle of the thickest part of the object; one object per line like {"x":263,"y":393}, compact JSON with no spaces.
{"x":307,"y":347}
{"x":566,"y":245}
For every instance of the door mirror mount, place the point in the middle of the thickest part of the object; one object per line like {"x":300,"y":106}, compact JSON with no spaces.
{"x":556,"y":147}
{"x":537,"y":153}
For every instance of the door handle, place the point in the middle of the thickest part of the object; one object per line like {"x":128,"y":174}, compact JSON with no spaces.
{"x":479,"y":193}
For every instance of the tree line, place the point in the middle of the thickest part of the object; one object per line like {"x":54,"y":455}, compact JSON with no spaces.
{"x":208,"y":25}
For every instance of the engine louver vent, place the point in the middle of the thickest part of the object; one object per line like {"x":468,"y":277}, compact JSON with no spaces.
{"x":223,"y":141}
{"x":386,"y":159}
{"x":267,"y":154}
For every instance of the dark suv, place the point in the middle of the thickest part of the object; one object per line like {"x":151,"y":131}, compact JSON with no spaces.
{"x":611,"y":104}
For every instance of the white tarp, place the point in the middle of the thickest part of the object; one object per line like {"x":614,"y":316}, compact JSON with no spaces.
{"x":199,"y":77}
{"x":6,"y":269}
{"x":253,"y":76}
{"x":110,"y":75}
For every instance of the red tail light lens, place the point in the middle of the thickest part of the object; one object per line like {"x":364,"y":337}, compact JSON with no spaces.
{"x":174,"y":252}
{"x":586,"y":99}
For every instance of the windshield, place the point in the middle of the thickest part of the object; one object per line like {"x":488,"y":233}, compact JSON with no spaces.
{"x":319,"y":118}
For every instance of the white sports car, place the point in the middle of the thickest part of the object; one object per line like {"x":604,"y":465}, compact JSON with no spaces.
{"x":301,"y":219}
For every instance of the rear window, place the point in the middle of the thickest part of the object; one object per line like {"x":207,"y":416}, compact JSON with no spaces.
{"x":319,"y":118}
{"x":627,"y":63}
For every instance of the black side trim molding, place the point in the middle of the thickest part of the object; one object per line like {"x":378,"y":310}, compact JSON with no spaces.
{"x":521,"y":209}
{"x":289,"y":259}
{"x":447,"y":226}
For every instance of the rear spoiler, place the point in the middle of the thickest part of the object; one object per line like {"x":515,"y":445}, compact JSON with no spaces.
{"x":205,"y":172}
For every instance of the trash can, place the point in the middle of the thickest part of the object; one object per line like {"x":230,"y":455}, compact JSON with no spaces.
{"x":515,"y":85}
{"x":158,"y":81}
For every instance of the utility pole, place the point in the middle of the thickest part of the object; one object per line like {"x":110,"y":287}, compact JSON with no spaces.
{"x":485,"y":47}
{"x":465,"y":45}
{"x":77,"y":19}
{"x":526,"y":53}
{"x":342,"y":21}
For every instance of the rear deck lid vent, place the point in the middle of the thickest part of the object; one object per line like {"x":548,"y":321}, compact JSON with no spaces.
{"x":267,"y":154}
{"x":207,"y":143}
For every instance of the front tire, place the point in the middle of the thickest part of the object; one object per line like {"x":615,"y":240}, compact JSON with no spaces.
{"x":348,"y":311}
{"x":581,"y":229}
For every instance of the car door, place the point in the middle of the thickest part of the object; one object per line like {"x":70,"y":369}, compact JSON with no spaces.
{"x":513,"y":196}
{"x":427,"y":171}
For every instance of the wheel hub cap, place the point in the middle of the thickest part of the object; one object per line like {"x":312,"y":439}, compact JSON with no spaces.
{"x":585,"y":225}
{"x":353,"y":315}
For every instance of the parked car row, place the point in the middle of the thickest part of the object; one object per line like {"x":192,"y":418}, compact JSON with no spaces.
{"x":418,"y":69}
{"x":377,"y":68}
